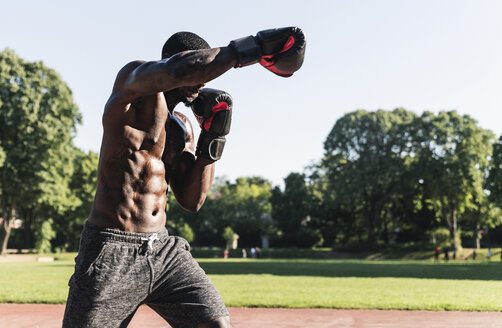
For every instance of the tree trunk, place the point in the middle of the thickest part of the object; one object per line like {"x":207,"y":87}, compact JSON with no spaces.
{"x":454,"y":227}
{"x":386,"y":236}
{"x":4,"y":236}
{"x":371,"y":230}
{"x":348,"y":231}
{"x":444,"y":213}
{"x":372,"y":224}
{"x":5,"y":230}
{"x":476,"y":237}
{"x":28,"y":229}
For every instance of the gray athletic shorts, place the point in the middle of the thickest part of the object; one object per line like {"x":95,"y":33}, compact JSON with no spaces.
{"x":116,"y":272}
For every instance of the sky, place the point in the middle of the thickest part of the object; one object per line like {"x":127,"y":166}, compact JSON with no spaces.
{"x":418,"y":54}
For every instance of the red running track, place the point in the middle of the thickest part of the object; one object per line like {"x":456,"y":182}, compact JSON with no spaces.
{"x":50,"y":316}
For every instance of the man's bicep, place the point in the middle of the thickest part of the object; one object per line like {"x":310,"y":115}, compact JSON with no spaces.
{"x":155,"y":76}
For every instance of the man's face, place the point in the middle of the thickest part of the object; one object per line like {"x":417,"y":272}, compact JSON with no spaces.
{"x":189,"y":94}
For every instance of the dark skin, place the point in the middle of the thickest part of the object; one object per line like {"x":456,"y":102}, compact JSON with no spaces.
{"x":132,"y":174}
{"x":136,"y":165}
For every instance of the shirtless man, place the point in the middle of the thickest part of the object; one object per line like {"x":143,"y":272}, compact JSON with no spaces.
{"x":126,"y":257}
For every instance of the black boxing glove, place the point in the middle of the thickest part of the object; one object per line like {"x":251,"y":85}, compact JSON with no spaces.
{"x":213,"y":110}
{"x":176,"y":134}
{"x":279,"y":50}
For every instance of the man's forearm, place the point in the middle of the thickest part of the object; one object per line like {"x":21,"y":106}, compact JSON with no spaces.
{"x":200,"y":66}
{"x":184,"y":69}
{"x":192,"y":182}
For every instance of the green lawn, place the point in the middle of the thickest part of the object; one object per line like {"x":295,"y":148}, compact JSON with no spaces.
{"x":358,"y":284}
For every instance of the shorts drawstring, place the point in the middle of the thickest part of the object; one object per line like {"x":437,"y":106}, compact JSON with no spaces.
{"x":153,"y":237}
{"x":149,"y":241}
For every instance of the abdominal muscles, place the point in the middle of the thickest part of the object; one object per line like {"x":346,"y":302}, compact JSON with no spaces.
{"x":132,"y":192}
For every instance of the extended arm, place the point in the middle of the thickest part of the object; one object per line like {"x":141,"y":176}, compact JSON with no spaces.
{"x":279,"y":50}
{"x":184,"y":69}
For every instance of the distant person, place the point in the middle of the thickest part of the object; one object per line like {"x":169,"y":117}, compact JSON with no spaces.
{"x":474,"y":254}
{"x":436,"y":253}
{"x":446,"y":254}
{"x":244,"y":253}
{"x":258,"y":252}
{"x":489,"y":254}
{"x":253,"y":252}
{"x":454,"y":254}
{"x":225,"y":254}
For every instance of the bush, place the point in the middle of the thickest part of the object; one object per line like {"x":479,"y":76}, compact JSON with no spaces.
{"x":44,"y":235}
{"x":441,"y":237}
{"x":308,"y":238}
{"x":186,"y":232}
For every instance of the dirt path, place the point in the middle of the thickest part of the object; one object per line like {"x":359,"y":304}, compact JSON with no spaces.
{"x":49,"y":316}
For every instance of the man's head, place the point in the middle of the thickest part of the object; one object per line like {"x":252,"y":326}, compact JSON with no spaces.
{"x":178,"y":42}
{"x":183,"y":41}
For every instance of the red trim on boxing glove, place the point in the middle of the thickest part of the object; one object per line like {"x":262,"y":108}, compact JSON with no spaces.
{"x":268,"y":61}
{"x":218,"y":107}
{"x":276,"y":71}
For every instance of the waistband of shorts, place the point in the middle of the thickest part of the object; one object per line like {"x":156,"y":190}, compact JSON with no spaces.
{"x":93,"y":231}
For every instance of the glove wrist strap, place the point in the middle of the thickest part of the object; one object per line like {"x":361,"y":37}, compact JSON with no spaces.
{"x":209,"y":146}
{"x":247,"y":49}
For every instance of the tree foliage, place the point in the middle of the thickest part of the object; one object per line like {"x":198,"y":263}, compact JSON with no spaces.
{"x":38,"y":119}
{"x":243,"y":205}
{"x":44,"y":235}
{"x":367,"y":157}
{"x":453,"y":153}
{"x":386,"y":173}
{"x":292,"y":212}
{"x":385,"y":176}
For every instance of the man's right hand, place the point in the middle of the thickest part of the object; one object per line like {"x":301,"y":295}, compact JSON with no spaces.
{"x":213,"y":110}
{"x":279,"y":50}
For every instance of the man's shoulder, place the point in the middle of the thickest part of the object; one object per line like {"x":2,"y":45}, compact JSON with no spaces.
{"x":125,"y":71}
{"x":129,"y":67}
{"x":120,"y":80}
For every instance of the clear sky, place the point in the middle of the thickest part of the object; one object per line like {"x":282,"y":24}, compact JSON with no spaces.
{"x":417,"y":54}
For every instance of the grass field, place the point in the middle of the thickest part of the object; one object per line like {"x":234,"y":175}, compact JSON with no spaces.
{"x":356,"y":284}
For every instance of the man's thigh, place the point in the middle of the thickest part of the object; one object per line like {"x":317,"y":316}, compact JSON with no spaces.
{"x":107,"y":287}
{"x":183,"y":294}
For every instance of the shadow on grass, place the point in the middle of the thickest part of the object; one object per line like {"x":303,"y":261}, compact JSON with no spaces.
{"x":366,"y":269}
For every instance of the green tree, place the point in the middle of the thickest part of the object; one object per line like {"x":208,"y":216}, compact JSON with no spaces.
{"x":454,"y":154}
{"x":180,"y":222}
{"x":186,"y":232}
{"x":82,"y":184}
{"x":366,"y":158}
{"x":228,"y":234}
{"x":441,"y":237}
{"x":292,"y":211}
{"x":44,"y":235}
{"x":494,"y":179}
{"x":2,"y":156}
{"x":245,"y":206}
{"x":37,"y":123}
